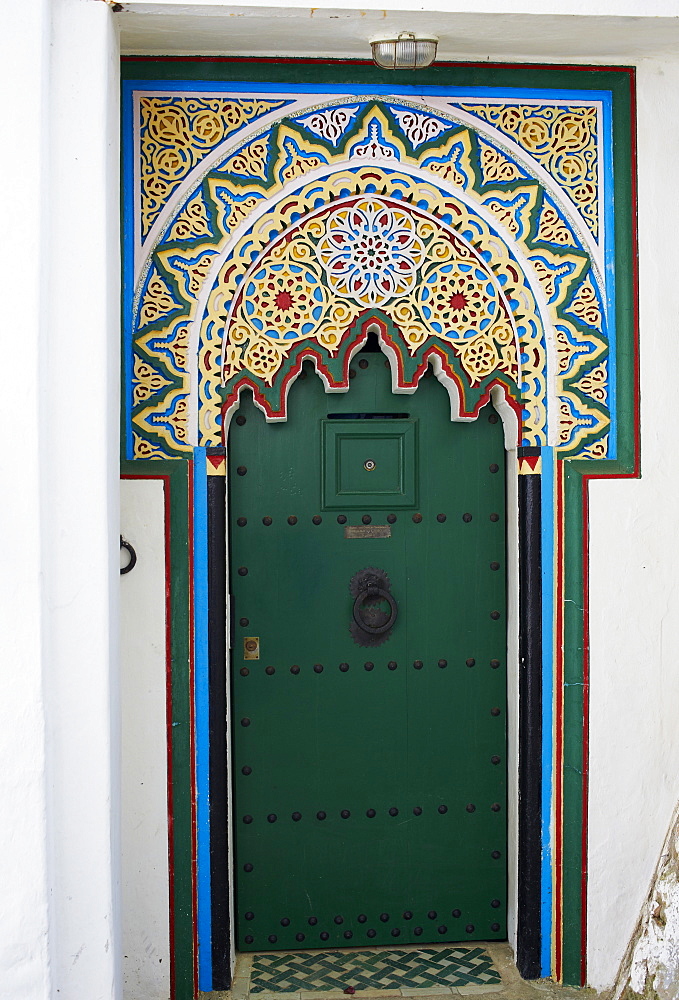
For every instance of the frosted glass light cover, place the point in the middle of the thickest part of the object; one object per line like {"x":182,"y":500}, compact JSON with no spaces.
{"x":404,"y":52}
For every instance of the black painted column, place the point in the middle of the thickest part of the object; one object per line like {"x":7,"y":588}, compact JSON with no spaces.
{"x":528,"y":958}
{"x":217,"y":653}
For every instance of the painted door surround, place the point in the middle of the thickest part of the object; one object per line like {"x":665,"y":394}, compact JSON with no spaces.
{"x":492,"y":192}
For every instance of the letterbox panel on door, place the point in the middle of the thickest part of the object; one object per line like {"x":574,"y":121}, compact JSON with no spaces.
{"x":369,"y":463}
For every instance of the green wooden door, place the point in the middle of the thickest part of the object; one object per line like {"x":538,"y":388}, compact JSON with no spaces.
{"x":370,"y":780}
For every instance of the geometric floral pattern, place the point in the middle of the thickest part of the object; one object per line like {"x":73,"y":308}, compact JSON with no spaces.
{"x":564,"y":144}
{"x":176,"y":133}
{"x":370,"y":252}
{"x":414,"y":332}
{"x":373,"y":970}
{"x":272,"y":226}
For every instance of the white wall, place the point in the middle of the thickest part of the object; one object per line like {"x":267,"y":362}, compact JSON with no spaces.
{"x":59,"y":925}
{"x":145,"y":889}
{"x":58,"y":842}
{"x":589,"y":8}
{"x":634,"y":553}
{"x":580,"y":30}
{"x":633,"y":539}
{"x":79,"y":444}
{"x":24,"y":971}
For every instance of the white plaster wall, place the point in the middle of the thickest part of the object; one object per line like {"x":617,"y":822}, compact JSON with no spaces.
{"x":589,"y":8}
{"x":78,"y":454}
{"x":535,"y":30}
{"x":633,"y":537}
{"x":58,"y":486}
{"x":634,"y":558}
{"x":58,"y":489}
{"x":24,"y":968}
{"x":145,"y":888}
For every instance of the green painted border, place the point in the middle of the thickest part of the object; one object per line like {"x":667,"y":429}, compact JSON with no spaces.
{"x":573,"y":940}
{"x":577,"y":474}
{"x":341,"y":72}
{"x":178,"y":473}
{"x":620,"y":81}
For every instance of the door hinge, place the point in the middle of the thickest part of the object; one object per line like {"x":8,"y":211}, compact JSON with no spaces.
{"x":231,"y":622}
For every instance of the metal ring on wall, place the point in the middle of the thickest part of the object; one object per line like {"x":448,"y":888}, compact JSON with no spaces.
{"x":132,"y":554}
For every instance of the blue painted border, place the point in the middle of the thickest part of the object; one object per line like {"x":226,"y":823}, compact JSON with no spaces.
{"x":548,"y":511}
{"x":127,"y":266}
{"x":456,"y":93}
{"x":518,"y":93}
{"x":202,"y":707}
{"x":200,"y":483}
{"x":607,"y":200}
{"x":237,"y":87}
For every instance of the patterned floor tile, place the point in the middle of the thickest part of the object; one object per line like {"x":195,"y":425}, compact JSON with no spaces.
{"x":372,"y":970}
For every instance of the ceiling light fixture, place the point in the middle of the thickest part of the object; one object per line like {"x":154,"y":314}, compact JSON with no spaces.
{"x":406,"y":51}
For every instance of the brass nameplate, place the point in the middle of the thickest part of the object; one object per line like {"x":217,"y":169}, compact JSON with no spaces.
{"x":367,"y":531}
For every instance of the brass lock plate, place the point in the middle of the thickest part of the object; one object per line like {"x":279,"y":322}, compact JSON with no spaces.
{"x":251,"y":647}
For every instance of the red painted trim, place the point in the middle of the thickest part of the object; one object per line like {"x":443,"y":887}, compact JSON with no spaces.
{"x":280,"y":414}
{"x":435,"y":349}
{"x":168,"y":717}
{"x":277,"y":60}
{"x":170,"y":783}
{"x":558,"y":732}
{"x":245,"y":381}
{"x":192,"y":732}
{"x":306,"y":352}
{"x":585,"y":731}
{"x":635,"y":473}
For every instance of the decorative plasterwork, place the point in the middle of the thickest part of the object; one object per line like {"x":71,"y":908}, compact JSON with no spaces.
{"x":431,"y":287}
{"x":471,"y":227}
{"x":562,"y":140}
{"x":176,"y":133}
{"x":369,"y":254}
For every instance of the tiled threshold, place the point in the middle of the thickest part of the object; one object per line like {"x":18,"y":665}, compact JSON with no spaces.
{"x":510,"y":986}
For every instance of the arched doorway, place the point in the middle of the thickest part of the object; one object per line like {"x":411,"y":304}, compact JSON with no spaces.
{"x":369,"y":658}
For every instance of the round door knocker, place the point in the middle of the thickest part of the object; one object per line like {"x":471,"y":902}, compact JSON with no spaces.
{"x":371,"y":624}
{"x":131,"y":553}
{"x":366,"y":597}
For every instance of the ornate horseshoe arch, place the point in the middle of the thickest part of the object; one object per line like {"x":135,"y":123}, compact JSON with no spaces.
{"x":484,"y":264}
{"x":314,"y":290}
